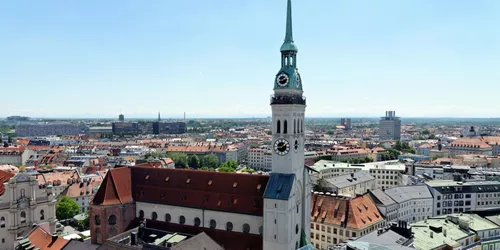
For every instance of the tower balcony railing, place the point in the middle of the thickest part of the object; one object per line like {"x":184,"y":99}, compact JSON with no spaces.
{"x":288,"y":99}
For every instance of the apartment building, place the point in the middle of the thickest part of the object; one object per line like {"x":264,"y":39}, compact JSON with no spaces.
{"x":335,"y":219}
{"x":344,"y":153}
{"x":385,"y":204}
{"x":494,"y":142}
{"x":44,"y":129}
{"x":414,"y":202}
{"x":458,"y":196}
{"x":83,"y":191}
{"x":223,"y":152}
{"x":260,"y":159}
{"x":469,"y":145}
{"x":352,"y":184}
{"x":387,"y":174}
{"x":16,"y":156}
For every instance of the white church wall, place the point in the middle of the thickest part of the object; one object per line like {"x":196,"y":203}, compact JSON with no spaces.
{"x":205,"y":216}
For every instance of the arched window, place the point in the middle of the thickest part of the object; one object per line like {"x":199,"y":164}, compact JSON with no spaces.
{"x":97,"y":220}
{"x":297,"y":229}
{"x":112,"y":220}
{"x":299,"y":122}
{"x":112,"y":232}
{"x":285,"y":127}
{"x":42,"y":215}
{"x":294,"y":126}
{"x":246,"y":228}
{"x":168,"y":218}
{"x":197,"y":222}
{"x":291,"y":61}
{"x":261,"y":230}
{"x":154,"y":216}
{"x":2,"y":222}
{"x":23,"y":217}
{"x":286,"y":61}
{"x":213,"y":224}
{"x":141,"y":214}
{"x":182,"y":220}
{"x":23,"y":192}
{"x":278,"y":127}
{"x":229,"y":226}
{"x":98,"y":235}
{"x":302,"y":125}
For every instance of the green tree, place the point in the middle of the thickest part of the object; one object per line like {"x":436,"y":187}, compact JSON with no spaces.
{"x":180,"y":159}
{"x":205,"y":168}
{"x":9,"y":139}
{"x":210,"y":161}
{"x":194,"y":161}
{"x":230,"y":164}
{"x":426,"y":132}
{"x":226,"y":169}
{"x":321,"y":185}
{"x":432,"y":136}
{"x":66,"y":208}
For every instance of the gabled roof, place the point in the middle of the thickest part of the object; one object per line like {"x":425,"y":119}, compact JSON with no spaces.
{"x":238,"y":193}
{"x":4,"y":177}
{"x":279,"y":186}
{"x":356,"y":213}
{"x":115,"y":188}
{"x":45,"y":241}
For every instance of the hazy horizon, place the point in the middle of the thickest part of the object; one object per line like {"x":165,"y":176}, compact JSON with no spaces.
{"x":421,"y":58}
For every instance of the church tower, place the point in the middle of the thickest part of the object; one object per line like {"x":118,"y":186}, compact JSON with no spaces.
{"x":287,"y":199}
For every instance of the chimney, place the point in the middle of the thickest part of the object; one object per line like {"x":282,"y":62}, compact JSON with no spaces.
{"x":432,"y":234}
{"x":133,"y":238}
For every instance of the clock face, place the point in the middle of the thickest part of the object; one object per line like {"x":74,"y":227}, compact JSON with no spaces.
{"x":282,"y":80}
{"x":281,"y":147}
{"x":296,"y":146}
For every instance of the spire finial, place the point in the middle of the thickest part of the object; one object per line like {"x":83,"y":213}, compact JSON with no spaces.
{"x":289,"y":35}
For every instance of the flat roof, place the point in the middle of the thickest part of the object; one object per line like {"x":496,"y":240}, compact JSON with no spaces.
{"x":382,"y":165}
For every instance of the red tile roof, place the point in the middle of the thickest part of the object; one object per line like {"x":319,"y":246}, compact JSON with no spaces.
{"x":238,"y":193}
{"x":4,"y":177}
{"x":356,"y":213}
{"x":115,"y":188}
{"x":44,"y":241}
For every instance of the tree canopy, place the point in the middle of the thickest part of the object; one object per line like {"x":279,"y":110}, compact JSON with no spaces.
{"x":66,"y":208}
{"x":194,"y":161}
{"x":321,"y":186}
{"x":180,"y":159}
{"x":210,"y":161}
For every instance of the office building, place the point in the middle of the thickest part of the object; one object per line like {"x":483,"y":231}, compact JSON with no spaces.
{"x":459,"y":196}
{"x":390,"y":126}
{"x":45,"y":129}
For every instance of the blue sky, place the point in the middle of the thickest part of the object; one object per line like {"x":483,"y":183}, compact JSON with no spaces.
{"x":218,"y":58}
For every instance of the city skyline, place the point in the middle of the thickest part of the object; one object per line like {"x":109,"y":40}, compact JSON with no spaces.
{"x":85,"y":59}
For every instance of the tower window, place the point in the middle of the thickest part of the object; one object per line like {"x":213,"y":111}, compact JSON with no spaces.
{"x":294,"y":126}
{"x":286,"y":61}
{"x":278,"y":127}
{"x":213,"y":224}
{"x":112,"y":220}
{"x":246,"y":228}
{"x":285,"y":127}
{"x":291,"y":61}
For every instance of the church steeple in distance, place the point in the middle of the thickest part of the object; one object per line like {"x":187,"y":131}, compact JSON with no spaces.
{"x":288,"y":77}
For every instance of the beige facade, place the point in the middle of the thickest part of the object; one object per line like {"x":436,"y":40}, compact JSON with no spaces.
{"x":23,"y":204}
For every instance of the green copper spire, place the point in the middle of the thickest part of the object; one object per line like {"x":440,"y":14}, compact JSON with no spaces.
{"x":288,"y":44}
